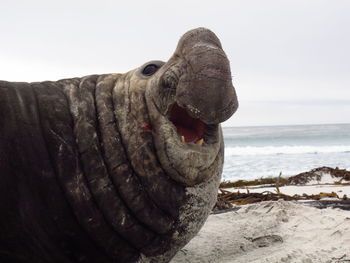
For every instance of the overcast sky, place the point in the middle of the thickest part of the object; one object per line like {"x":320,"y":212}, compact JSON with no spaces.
{"x":290,"y":59}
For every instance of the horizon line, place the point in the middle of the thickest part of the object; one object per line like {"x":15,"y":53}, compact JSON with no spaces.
{"x":282,"y":125}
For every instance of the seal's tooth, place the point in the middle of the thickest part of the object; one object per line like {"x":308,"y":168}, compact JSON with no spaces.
{"x":200,"y":142}
{"x":182,"y":138}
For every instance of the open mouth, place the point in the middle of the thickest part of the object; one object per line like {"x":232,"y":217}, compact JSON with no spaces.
{"x":188,"y":128}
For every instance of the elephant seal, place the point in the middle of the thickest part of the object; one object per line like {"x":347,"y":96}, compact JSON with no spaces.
{"x":115,"y":167}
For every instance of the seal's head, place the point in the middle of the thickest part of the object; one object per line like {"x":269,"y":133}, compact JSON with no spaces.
{"x":187,"y":98}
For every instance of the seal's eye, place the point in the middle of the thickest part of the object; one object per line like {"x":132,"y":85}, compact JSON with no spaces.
{"x":150,"y":69}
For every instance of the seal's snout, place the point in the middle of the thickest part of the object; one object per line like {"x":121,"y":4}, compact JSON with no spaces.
{"x":205,"y":88}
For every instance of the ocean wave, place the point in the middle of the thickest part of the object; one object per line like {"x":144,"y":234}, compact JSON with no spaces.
{"x":275,"y":150}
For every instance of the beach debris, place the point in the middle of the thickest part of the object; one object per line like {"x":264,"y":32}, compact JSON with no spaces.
{"x":222,"y":204}
{"x":261,"y":181}
{"x":278,"y":183}
{"x":338,"y":176}
{"x":343,"y":258}
{"x":321,"y":204}
{"x":228,"y":199}
{"x":266,"y":241}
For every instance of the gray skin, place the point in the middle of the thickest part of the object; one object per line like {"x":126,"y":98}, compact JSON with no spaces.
{"x":93,"y":169}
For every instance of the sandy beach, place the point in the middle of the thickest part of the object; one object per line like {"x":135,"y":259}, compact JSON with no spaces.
{"x":275,"y":231}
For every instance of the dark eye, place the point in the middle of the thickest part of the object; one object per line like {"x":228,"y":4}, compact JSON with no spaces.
{"x":150,"y":69}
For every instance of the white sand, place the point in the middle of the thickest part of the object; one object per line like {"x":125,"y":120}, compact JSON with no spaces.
{"x":282,"y":231}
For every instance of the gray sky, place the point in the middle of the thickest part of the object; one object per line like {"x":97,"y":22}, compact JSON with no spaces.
{"x":290,"y":59}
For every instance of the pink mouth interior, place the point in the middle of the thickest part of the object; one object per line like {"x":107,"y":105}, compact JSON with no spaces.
{"x":192,"y":129}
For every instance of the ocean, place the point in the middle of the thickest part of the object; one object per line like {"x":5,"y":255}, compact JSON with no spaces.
{"x":267,"y":151}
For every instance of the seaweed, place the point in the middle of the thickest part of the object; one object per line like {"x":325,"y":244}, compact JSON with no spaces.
{"x":341,"y":176}
{"x":228,"y":199}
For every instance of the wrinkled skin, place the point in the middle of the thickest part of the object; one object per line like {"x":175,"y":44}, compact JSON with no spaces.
{"x":118,"y":167}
